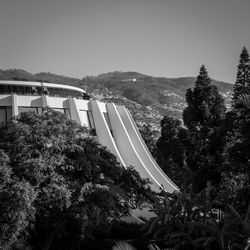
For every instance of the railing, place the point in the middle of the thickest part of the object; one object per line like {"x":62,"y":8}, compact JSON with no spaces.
{"x":38,"y":91}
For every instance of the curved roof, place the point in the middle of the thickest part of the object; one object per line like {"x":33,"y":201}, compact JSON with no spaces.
{"x":41,"y":84}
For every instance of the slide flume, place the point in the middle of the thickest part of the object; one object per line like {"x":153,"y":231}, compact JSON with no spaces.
{"x":133,"y":149}
{"x":122,"y":137}
{"x":143,"y":151}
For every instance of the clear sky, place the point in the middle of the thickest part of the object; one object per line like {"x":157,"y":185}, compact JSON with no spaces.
{"x":170,"y":38}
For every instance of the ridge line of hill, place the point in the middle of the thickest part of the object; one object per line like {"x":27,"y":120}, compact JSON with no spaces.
{"x":148,"y":98}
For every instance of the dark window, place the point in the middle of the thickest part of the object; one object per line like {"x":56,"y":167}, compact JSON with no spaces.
{"x":17,"y":89}
{"x":5,"y":114}
{"x":29,"y":109}
{"x":45,"y":91}
{"x":39,"y":90}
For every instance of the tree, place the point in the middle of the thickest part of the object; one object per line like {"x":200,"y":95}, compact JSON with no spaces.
{"x":206,"y":107}
{"x":149,"y":136}
{"x":238,"y":122}
{"x":193,"y":221}
{"x":203,"y":117}
{"x":169,"y":151}
{"x":242,"y":84}
{"x":16,"y":206}
{"x":74,"y":183}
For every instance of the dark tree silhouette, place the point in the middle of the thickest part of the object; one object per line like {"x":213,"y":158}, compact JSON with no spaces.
{"x":242,"y":84}
{"x":169,"y":151}
{"x":238,"y":122}
{"x":203,"y":117}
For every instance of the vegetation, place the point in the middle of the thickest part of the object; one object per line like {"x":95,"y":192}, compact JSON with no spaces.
{"x":199,"y":221}
{"x":212,"y":211}
{"x":149,"y":136}
{"x":171,"y":158}
{"x":58,"y":184}
{"x":242,"y":85}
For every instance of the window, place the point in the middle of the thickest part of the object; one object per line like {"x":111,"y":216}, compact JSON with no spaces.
{"x":45,"y":91}
{"x":37,"y":110}
{"x":16,"y":89}
{"x":5,"y":114}
{"x":39,"y":90}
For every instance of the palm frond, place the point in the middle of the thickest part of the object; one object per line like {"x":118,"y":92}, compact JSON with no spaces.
{"x":122,"y":245}
{"x":153,"y":246}
{"x":209,"y":240}
{"x":243,"y":99}
{"x":233,"y":210}
{"x":177,"y":235}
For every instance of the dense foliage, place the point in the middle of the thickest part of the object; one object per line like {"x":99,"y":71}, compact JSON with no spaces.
{"x":58,"y":184}
{"x":192,"y":155}
{"x":213,"y":209}
{"x":199,"y":221}
{"x":169,"y":151}
{"x":149,"y":135}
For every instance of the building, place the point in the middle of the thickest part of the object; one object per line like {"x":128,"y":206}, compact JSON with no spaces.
{"x":113,"y":125}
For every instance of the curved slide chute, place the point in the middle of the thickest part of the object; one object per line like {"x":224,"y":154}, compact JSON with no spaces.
{"x":103,"y":133}
{"x":126,"y":147}
{"x":127,"y":144}
{"x":143,"y":151}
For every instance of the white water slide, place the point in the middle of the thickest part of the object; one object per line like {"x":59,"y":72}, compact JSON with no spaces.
{"x":122,"y":137}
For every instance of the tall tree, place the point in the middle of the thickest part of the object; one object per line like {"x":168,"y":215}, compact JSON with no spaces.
{"x":237,"y":123}
{"x":203,"y":116}
{"x":205,"y":106}
{"x":242,"y":84}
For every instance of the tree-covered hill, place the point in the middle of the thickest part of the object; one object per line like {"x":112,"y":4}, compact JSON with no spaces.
{"x":147,"y":97}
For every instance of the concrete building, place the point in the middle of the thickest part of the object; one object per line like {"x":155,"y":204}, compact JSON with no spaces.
{"x":113,"y":125}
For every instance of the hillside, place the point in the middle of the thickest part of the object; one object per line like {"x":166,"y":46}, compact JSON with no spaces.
{"x":148,"y":98}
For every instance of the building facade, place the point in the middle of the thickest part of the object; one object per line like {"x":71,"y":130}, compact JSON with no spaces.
{"x":113,"y":125}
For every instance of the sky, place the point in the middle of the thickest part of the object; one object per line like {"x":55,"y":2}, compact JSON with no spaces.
{"x":165,"y":38}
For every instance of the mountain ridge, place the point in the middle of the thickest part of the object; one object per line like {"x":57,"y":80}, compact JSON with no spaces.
{"x":148,"y":98}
